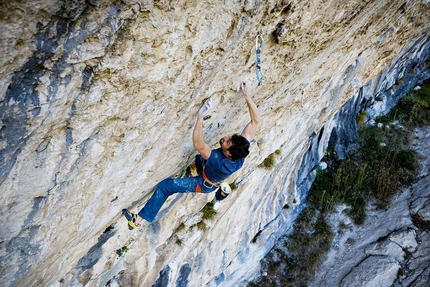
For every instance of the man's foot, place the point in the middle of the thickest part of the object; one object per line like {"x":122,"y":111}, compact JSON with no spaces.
{"x":131,"y":217}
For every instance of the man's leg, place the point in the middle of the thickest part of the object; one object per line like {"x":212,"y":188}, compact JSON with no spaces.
{"x":199,"y":161}
{"x":165,"y":189}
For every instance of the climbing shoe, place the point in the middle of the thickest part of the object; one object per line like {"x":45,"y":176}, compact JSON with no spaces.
{"x":131,"y":218}
{"x":223,"y":191}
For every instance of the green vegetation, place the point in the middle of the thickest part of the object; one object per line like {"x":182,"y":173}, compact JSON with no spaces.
{"x":302,"y":253}
{"x":382,"y":164}
{"x":202,"y":225}
{"x":332,"y":188}
{"x":420,"y":223}
{"x":413,"y":109}
{"x":208,"y":211}
{"x":180,"y":227}
{"x":179,"y":242}
{"x":122,"y":251}
{"x":233,"y":186}
{"x":361,"y":117}
{"x":373,"y":172}
{"x":269,"y":161}
{"x":400,"y":81}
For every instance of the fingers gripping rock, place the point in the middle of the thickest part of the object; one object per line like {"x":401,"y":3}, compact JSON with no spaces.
{"x":206,"y":108}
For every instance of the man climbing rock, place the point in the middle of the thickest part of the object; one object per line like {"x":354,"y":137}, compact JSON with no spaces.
{"x":214,"y":166}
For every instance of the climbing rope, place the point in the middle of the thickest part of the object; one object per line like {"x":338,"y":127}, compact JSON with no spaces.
{"x":258,"y":45}
{"x":182,"y":173}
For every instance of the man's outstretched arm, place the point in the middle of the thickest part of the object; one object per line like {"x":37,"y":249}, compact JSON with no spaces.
{"x":198,"y":139}
{"x":250,"y":129}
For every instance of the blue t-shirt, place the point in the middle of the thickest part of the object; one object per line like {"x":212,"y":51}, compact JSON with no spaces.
{"x":218,"y":166}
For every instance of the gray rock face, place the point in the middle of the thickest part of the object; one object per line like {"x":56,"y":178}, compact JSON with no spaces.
{"x":417,"y":269}
{"x":387,"y":248}
{"x":420,"y":203}
{"x":382,"y":274}
{"x":405,"y":239}
{"x":398,"y":237}
{"x":97,"y":103}
{"x":392,"y":234}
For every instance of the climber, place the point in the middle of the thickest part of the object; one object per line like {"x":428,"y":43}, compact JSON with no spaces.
{"x":213,"y":166}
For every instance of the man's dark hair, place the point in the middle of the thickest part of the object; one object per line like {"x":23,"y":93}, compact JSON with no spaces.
{"x":239,"y":148}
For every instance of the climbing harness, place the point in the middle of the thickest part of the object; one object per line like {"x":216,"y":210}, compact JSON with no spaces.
{"x":207,"y":180}
{"x":258,"y":45}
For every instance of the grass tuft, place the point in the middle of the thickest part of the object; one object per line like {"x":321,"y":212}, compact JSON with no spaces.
{"x":361,"y":118}
{"x":233,"y":186}
{"x":179,"y":242}
{"x":268,"y":162}
{"x":180,"y":227}
{"x":209,"y":212}
{"x":122,"y":251}
{"x":202,"y":225}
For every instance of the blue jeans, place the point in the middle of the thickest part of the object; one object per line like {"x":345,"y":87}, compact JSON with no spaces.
{"x":171,"y":186}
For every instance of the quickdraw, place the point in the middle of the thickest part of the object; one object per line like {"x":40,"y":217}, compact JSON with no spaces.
{"x":258,"y":45}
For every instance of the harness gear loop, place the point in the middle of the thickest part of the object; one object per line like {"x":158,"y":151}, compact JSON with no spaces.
{"x":258,"y":70}
{"x":208,"y":180}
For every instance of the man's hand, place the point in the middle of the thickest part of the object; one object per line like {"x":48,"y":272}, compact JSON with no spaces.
{"x":245,"y":86}
{"x":206,"y":108}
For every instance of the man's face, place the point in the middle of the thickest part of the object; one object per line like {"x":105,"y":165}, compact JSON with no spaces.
{"x":225,"y":143}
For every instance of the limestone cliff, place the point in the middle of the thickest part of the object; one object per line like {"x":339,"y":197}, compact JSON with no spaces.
{"x":98,"y":100}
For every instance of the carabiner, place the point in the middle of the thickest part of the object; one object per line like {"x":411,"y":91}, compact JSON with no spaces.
{"x":258,"y":45}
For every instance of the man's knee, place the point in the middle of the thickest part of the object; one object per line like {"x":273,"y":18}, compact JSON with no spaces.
{"x":164,"y":185}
